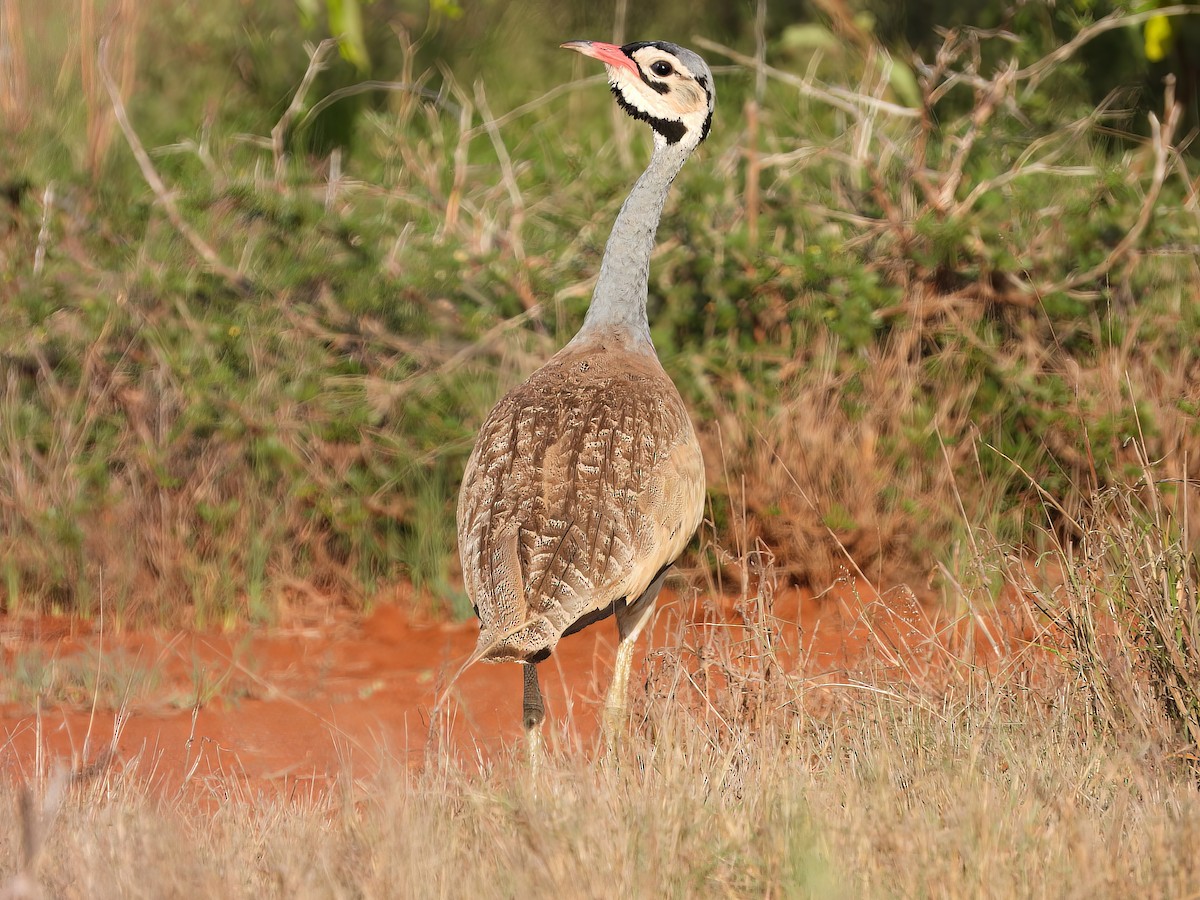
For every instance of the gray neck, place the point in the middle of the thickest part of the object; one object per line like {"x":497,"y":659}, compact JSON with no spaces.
{"x":618,"y":307}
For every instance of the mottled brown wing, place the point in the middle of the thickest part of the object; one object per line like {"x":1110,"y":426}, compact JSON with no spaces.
{"x":584,"y":482}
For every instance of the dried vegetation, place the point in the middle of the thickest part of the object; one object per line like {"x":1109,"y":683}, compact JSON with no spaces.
{"x":243,"y":366}
{"x":950,"y":342}
{"x":1058,"y":762}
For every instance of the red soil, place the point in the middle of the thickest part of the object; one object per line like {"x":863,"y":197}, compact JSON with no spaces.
{"x":292,"y":707}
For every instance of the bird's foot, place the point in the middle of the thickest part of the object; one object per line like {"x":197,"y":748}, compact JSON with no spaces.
{"x":533,"y":747}
{"x":614,"y":723}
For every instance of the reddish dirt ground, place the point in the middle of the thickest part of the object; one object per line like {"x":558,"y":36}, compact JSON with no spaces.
{"x":292,"y":707}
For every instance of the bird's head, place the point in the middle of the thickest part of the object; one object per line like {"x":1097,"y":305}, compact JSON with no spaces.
{"x":665,"y":85}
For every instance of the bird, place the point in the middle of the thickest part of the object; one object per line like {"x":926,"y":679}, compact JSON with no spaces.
{"x":586,"y":482}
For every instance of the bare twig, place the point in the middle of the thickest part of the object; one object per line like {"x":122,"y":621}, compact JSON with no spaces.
{"x":800,"y":154}
{"x":334,"y":182}
{"x":750,"y":150}
{"x":620,"y":122}
{"x":461,"y":155}
{"x":14,"y":74}
{"x":1119,"y":19}
{"x":99,"y":119}
{"x":753,"y":171}
{"x":760,"y":51}
{"x":437,"y":98}
{"x":554,"y":93}
{"x":43,"y":239}
{"x":999,"y":88}
{"x":87,"y":76}
{"x":237,"y":280}
{"x":514,"y":194}
{"x":1161,"y":137}
{"x":839,"y":98}
{"x":316,"y":62}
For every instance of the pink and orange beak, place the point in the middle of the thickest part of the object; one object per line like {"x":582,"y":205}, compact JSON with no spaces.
{"x":609,"y":54}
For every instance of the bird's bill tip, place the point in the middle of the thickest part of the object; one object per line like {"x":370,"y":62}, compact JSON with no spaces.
{"x":609,"y":54}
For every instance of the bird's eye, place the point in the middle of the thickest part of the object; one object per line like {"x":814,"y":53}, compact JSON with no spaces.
{"x":661,"y":68}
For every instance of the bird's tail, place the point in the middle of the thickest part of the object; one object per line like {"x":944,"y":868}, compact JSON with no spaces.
{"x":486,"y":648}
{"x":503,"y":643}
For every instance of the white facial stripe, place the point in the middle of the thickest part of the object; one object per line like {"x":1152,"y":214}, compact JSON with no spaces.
{"x":684,"y":94}
{"x":648,"y":56}
{"x":677,"y":98}
{"x":637,"y":95}
{"x":684,"y":97}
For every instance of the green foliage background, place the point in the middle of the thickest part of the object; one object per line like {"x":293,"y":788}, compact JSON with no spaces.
{"x":879,"y":377}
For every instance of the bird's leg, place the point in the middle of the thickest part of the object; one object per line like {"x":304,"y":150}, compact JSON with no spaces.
{"x":631,"y":619}
{"x":533,"y":714}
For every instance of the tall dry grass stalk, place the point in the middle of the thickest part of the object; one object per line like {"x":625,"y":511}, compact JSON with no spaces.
{"x":739,"y":777}
{"x":14,"y":74}
{"x":1127,"y":615}
{"x":121,"y":31}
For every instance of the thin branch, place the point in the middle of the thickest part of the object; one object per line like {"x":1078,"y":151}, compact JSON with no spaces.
{"x":760,"y":52}
{"x":461,"y":156}
{"x":509,"y":177}
{"x":621,"y":124}
{"x":788,"y":157}
{"x":363,"y":87}
{"x":839,"y":98}
{"x":1161,"y":136}
{"x":753,"y":171}
{"x":316,"y":62}
{"x":43,"y":238}
{"x":1038,"y":168}
{"x":999,"y":87}
{"x":1118,"y":19}
{"x":14,"y":68}
{"x":237,"y":280}
{"x":566,"y":87}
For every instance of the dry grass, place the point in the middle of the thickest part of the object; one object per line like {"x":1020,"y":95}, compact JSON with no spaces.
{"x":1127,"y":620}
{"x":882,"y":465}
{"x":1065,"y":765}
{"x":988,"y":790}
{"x":176,"y":439}
{"x":257,"y":384}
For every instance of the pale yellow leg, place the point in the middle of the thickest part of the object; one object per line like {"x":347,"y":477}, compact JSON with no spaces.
{"x":631,"y":619}
{"x":618,"y":691}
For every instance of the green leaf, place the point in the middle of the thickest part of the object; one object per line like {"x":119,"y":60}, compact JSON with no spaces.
{"x":448,"y":8}
{"x":904,"y":83}
{"x":345,"y":23}
{"x":1158,"y":38}
{"x":308,"y":12}
{"x":808,"y":37}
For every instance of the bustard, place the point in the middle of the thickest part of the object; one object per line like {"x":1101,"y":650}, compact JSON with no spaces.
{"x":586,"y":482}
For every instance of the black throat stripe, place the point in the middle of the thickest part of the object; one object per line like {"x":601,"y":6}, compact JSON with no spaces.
{"x":672,"y":130}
